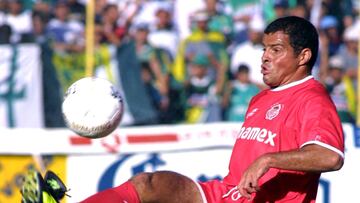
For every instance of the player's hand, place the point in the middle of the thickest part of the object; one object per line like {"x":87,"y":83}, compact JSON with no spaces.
{"x":249,"y":180}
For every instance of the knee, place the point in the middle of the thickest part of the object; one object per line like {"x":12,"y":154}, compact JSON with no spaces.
{"x":142,"y":181}
{"x":143,"y":184}
{"x":165,"y":186}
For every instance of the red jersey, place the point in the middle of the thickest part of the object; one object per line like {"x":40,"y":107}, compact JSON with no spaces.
{"x":281,"y":119}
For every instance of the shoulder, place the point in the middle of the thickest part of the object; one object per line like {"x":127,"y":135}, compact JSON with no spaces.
{"x":313,"y":89}
{"x":315,"y":100}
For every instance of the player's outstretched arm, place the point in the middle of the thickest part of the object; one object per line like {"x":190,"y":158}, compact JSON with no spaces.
{"x":310,"y":158}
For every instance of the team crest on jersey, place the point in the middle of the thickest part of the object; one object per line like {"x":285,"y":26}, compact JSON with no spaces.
{"x":273,"y":111}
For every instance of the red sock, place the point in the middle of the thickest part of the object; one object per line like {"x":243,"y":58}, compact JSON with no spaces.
{"x":125,"y":193}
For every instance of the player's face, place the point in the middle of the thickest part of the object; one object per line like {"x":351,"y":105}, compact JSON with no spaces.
{"x":279,"y":62}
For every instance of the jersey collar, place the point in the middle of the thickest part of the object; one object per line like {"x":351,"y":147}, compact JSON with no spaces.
{"x":292,"y":84}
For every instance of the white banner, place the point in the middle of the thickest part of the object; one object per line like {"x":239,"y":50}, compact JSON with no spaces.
{"x":20,"y":86}
{"x":122,"y":140}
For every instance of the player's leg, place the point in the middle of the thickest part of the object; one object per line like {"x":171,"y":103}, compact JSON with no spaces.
{"x":166,"y":186}
{"x":160,"y":187}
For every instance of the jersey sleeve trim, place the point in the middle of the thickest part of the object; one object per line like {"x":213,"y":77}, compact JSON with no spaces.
{"x":326,"y":146}
{"x":202,"y":193}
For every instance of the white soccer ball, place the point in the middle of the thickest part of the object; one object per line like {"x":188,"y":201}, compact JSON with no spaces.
{"x":92,"y":107}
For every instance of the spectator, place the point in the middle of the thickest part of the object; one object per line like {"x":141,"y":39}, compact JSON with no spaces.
{"x":146,"y":54}
{"x":349,"y":51}
{"x":242,"y":12}
{"x":43,"y":8}
{"x":39,"y":25}
{"x":351,"y":11}
{"x":111,"y":32}
{"x":5,"y":34}
{"x":329,"y":26}
{"x":19,"y":21}
{"x":204,"y":42}
{"x":338,"y":89}
{"x":3,"y":8}
{"x":299,"y":10}
{"x":341,"y":10}
{"x":77,"y":10}
{"x":5,"y":29}
{"x":250,"y":52}
{"x":200,"y":92}
{"x":165,"y":38}
{"x":238,"y":95}
{"x":41,"y":16}
{"x":211,"y":46}
{"x":146,"y":15}
{"x":281,"y":8}
{"x":219,"y":21}
{"x":99,"y":8}
{"x":66,"y":35}
{"x":147,"y":77}
{"x":163,"y":35}
{"x":277,"y":8}
{"x":183,"y":13}
{"x":128,"y":11}
{"x":104,"y":54}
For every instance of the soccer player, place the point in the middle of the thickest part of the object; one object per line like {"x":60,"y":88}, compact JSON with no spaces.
{"x":291,"y":134}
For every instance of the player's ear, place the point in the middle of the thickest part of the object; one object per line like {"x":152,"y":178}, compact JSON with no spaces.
{"x":304,"y":56}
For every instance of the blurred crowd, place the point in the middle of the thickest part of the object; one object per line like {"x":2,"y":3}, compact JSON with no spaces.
{"x":199,"y":60}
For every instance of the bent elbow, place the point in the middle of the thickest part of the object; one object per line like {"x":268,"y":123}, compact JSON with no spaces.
{"x":336,"y":162}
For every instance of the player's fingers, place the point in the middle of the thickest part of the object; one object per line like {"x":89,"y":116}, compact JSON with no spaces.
{"x":255,"y":186}
{"x":247,"y":186}
{"x":250,"y":188}
{"x":244,"y":193}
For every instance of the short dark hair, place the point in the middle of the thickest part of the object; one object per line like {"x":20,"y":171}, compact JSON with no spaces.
{"x":243,"y":68}
{"x":302,"y":34}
